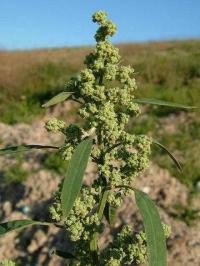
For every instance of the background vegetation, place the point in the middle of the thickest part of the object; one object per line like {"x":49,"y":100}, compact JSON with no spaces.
{"x":164,"y":70}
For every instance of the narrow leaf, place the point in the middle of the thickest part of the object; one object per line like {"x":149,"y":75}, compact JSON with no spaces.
{"x":94,"y":248}
{"x":24,"y":148}
{"x":169,"y":153}
{"x":156,"y":243}
{"x":110,"y":213}
{"x":162,"y":103}
{"x":100,"y":211}
{"x":61,"y":97}
{"x":93,"y":243}
{"x":74,"y":176}
{"x":62,"y":254}
{"x":103,"y":204}
{"x":18,"y":224}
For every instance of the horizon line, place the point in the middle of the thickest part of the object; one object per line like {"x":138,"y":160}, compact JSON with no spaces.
{"x":93,"y":45}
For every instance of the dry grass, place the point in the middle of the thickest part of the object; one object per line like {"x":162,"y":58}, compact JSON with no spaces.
{"x":15,"y":64}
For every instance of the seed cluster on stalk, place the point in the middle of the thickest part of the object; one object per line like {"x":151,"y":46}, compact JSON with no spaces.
{"x":105,"y":90}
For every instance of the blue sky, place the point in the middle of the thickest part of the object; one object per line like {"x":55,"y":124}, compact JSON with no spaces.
{"x":26,"y":24}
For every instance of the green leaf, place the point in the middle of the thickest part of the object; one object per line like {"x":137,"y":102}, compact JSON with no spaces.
{"x":100,"y":211}
{"x":94,"y":248}
{"x":93,"y":243}
{"x":24,"y":148}
{"x":162,"y":103}
{"x":18,"y":224}
{"x":62,"y":254}
{"x":74,"y":176}
{"x":170,"y":155}
{"x":110,"y":213}
{"x":103,"y":204}
{"x":61,"y":97}
{"x":156,"y":243}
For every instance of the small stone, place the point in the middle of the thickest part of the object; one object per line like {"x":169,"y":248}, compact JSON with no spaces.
{"x":146,"y":189}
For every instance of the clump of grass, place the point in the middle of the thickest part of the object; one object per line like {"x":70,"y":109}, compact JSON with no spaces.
{"x":15,"y":174}
{"x":186,"y":141}
{"x":22,"y":110}
{"x":23,"y":103}
{"x":145,"y":124}
{"x":53,"y":162}
{"x":170,"y":76}
{"x":186,"y":214}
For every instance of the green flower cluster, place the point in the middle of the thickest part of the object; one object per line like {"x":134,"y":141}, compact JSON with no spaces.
{"x":107,"y":108}
{"x":73,"y":135}
{"x":81,"y":223}
{"x":107,"y":27}
{"x":55,"y":125}
{"x":105,"y":90}
{"x":127,"y":248}
{"x":7,"y":263}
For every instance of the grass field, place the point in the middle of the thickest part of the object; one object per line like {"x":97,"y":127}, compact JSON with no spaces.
{"x":164,"y":70}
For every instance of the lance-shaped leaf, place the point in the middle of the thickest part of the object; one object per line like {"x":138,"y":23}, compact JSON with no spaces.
{"x":94,"y":246}
{"x":24,"y":148}
{"x":169,"y":153}
{"x":61,"y":97}
{"x":100,"y":211}
{"x":74,"y":176}
{"x":62,"y":254}
{"x":102,"y":204}
{"x":156,"y":243}
{"x":110,"y":213}
{"x":162,"y":103}
{"x":18,"y":224}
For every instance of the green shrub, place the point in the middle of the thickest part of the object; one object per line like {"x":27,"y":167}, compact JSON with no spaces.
{"x":15,"y":174}
{"x":52,"y":162}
